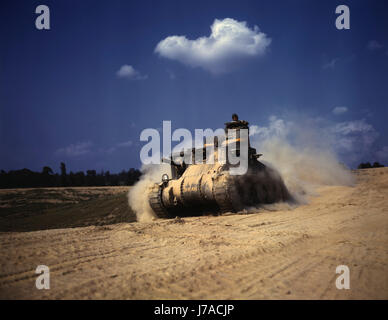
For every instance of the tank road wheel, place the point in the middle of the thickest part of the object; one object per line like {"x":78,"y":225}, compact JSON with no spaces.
{"x":221,"y":195}
{"x":156,"y":204}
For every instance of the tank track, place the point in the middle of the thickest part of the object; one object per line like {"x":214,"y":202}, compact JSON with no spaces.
{"x":155,"y":201}
{"x":221,"y":192}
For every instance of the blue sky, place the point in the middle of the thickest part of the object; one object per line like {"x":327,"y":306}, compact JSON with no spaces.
{"x":64,"y":98}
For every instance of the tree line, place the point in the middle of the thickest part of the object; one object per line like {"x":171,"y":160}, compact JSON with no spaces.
{"x":367,"y":165}
{"x":26,"y":178}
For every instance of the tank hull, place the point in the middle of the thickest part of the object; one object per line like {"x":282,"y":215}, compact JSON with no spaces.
{"x":209,"y":189}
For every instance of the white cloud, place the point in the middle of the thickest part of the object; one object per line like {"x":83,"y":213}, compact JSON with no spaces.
{"x":75,"y":150}
{"x":128,"y":72}
{"x":351,"y":127}
{"x":276,"y":128}
{"x":112,"y":149}
{"x":229,"y":41}
{"x":86,"y":148}
{"x":374,"y":45}
{"x":125,"y":144}
{"x":331,"y":64}
{"x":355,"y":138}
{"x":339,"y":110}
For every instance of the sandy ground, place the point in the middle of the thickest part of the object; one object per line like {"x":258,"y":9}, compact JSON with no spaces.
{"x":291,"y":254}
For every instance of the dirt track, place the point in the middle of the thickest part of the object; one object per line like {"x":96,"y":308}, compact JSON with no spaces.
{"x":289,"y":254}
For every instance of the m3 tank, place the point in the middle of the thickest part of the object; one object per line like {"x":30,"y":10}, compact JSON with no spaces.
{"x":203,"y":188}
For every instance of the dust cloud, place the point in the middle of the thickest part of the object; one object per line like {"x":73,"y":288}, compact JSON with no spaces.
{"x":138,"y":194}
{"x":304,"y":157}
